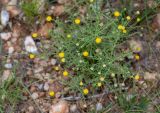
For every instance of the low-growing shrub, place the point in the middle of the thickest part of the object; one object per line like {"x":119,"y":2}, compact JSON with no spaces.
{"x":88,"y":48}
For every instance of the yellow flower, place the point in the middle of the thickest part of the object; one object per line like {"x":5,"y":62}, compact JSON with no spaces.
{"x":98,"y":40}
{"x":81,"y":83}
{"x":34,"y":35}
{"x":63,"y":60}
{"x":85,"y":54}
{"x":65,"y":73}
{"x":31,"y":56}
{"x":116,"y":14}
{"x":69,"y":36}
{"x":121,"y":27}
{"x":77,"y":21}
{"x":51,"y":93}
{"x":128,"y":18}
{"x":56,"y":68}
{"x":102,"y":79}
{"x":49,"y":18}
{"x":99,"y":84}
{"x":85,"y":91}
{"x":91,"y":1}
{"x":138,"y":19}
{"x":138,"y":49}
{"x":137,"y":77}
{"x":61,"y":55}
{"x":137,"y":57}
{"x":124,"y":31}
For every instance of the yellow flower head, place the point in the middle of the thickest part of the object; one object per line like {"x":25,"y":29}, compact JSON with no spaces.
{"x":91,"y":1}
{"x":81,"y":83}
{"x":63,"y":60}
{"x":137,"y":57}
{"x":85,"y":91}
{"x":138,"y":49}
{"x":77,"y":21}
{"x":128,"y":18}
{"x":34,"y":35}
{"x":121,"y":27}
{"x":99,"y":84}
{"x":49,"y":18}
{"x":137,"y":77}
{"x":102,"y":79}
{"x":124,"y":31}
{"x":116,"y":13}
{"x":65,"y":73}
{"x":51,"y":93}
{"x":69,"y":36}
{"x":138,"y":19}
{"x":61,"y":55}
{"x":85,"y":53}
{"x":31,"y":56}
{"x":56,"y":68}
{"x":98,"y":40}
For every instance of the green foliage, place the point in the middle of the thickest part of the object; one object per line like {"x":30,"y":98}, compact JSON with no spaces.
{"x":30,"y":9}
{"x":104,"y":58}
{"x":134,"y":104}
{"x":10,"y":92}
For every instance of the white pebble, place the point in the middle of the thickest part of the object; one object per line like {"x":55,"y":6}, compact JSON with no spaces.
{"x":30,"y":45}
{"x":5,"y":36}
{"x":99,"y":106}
{"x":34,"y":95}
{"x":8,"y":66}
{"x":4,"y":17}
{"x":53,"y":61}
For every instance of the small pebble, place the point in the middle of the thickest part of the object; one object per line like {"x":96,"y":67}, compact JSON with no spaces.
{"x":53,"y":61}
{"x":4,"y":17}
{"x":31,"y":109}
{"x":35,"y":95}
{"x":99,"y":107}
{"x":46,"y":86}
{"x":73,"y":108}
{"x":10,"y":50}
{"x":8,"y":66}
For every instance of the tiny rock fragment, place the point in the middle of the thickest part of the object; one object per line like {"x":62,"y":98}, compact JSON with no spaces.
{"x":74,"y":109}
{"x":60,"y":107}
{"x":8,"y":66}
{"x":6,"y":74}
{"x":150,"y":76}
{"x":6,"y":36}
{"x":4,"y":17}
{"x":31,"y":109}
{"x":46,"y":86}
{"x":44,"y":30}
{"x":35,"y":95}
{"x":99,"y":106}
{"x":53,"y":61}
{"x":10,"y":50}
{"x":30,"y":45}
